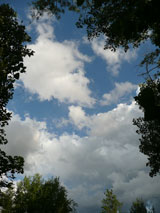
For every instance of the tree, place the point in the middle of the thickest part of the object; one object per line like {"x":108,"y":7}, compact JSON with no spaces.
{"x":52,"y":7}
{"x":121,"y":22}
{"x":6,"y":200}
{"x":124,"y":23}
{"x":33,"y":194}
{"x":138,"y":207}
{"x":149,"y":125}
{"x":151,"y":210}
{"x":12,"y":51}
{"x":110,"y":204}
{"x":149,"y":142}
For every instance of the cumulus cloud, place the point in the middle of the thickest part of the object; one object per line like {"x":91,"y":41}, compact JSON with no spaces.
{"x":112,"y":59}
{"x":121,"y":90}
{"x":57,"y":69}
{"x":77,"y":116}
{"x":24,"y":136}
{"x":106,"y":124}
{"x":106,"y":157}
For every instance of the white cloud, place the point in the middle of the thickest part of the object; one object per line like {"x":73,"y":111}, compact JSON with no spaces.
{"x":24,"y":136}
{"x":107,"y":157}
{"x":106,"y":124}
{"x":77,"y":116}
{"x":57,"y":69}
{"x":121,"y":89}
{"x":141,"y":186}
{"x":112,"y":59}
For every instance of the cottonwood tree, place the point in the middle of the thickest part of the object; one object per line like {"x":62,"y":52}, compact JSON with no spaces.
{"x":12,"y":52}
{"x":33,"y":194}
{"x":138,"y":207}
{"x":110,"y":204}
{"x":6,"y":199}
{"x":151,"y":210}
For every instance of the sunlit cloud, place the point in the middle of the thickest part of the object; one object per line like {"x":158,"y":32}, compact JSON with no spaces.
{"x":113,"y":59}
{"x":120,"y":91}
{"x":57,"y":69}
{"x":104,"y":158}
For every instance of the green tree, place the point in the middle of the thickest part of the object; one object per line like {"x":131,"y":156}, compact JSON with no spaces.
{"x":33,"y":194}
{"x":110,"y":204}
{"x":12,"y":51}
{"x":6,"y":199}
{"x":27,"y":194}
{"x":121,"y":22}
{"x":149,"y":142}
{"x":138,"y":207}
{"x":149,"y":125}
{"x":148,"y":100}
{"x":151,"y":210}
{"x":54,"y":198}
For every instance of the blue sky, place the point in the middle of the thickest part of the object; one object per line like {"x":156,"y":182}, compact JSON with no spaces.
{"x":73,"y":111}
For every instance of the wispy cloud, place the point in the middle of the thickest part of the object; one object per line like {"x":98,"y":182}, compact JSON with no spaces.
{"x":113,"y":59}
{"x":120,"y":91}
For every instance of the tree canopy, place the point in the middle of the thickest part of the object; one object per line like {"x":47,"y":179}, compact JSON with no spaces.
{"x":148,"y":100}
{"x":138,"y":207}
{"x":33,"y":194}
{"x":121,"y":22}
{"x":12,"y":51}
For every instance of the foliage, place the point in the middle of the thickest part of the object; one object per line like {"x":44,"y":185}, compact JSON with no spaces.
{"x":151,"y":210}
{"x":148,"y":100}
{"x":121,"y":22}
{"x":6,"y":200}
{"x":52,"y":7}
{"x":110,"y":204}
{"x":149,"y":142}
{"x":12,"y":52}
{"x":138,"y":207}
{"x":33,"y":194}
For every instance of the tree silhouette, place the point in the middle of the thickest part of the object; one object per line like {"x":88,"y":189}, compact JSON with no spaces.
{"x":12,"y":52}
{"x":138,"y":207}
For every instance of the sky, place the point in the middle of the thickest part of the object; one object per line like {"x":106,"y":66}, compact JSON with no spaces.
{"x":72,"y":114}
